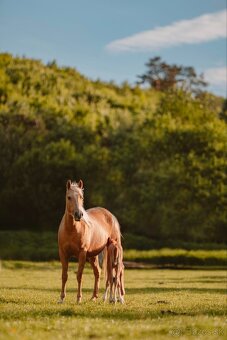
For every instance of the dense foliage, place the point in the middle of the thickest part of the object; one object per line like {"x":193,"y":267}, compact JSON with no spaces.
{"x":156,"y":160}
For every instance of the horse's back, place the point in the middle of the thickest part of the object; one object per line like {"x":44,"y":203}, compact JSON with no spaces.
{"x":106,"y":220}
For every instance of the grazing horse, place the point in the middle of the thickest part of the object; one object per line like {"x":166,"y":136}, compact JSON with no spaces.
{"x":84,"y":234}
{"x":115,"y":272}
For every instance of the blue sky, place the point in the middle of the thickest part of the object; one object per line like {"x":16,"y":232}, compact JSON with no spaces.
{"x":112,"y":40}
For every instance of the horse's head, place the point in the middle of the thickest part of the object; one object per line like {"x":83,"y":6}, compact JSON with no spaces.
{"x":114,"y":252}
{"x":74,"y":199}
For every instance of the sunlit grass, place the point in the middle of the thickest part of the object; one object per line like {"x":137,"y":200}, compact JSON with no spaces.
{"x":178,"y":256}
{"x":159,"y":304}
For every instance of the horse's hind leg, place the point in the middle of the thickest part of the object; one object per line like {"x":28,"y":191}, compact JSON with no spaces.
{"x":115,"y":289}
{"x":121,"y":288}
{"x":121,"y":293}
{"x":96,"y":270}
{"x":112,"y":283}
{"x":122,"y":285}
{"x":64,"y":263}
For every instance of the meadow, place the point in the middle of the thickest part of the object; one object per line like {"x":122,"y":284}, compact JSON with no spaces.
{"x":160,"y":304}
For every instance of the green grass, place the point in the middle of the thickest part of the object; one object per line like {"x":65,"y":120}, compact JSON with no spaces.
{"x":160,"y":304}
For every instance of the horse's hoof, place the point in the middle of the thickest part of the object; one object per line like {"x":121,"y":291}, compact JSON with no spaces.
{"x":79,"y":300}
{"x":121,"y":300}
{"x":94,"y":298}
{"x":60,"y":301}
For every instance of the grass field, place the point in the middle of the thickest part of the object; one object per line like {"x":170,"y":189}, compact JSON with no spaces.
{"x":159,"y":304}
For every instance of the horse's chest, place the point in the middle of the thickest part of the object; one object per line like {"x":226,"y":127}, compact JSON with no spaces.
{"x":71,"y":246}
{"x":71,"y":249}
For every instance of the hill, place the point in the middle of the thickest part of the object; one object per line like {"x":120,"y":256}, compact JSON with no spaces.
{"x":156,"y":160}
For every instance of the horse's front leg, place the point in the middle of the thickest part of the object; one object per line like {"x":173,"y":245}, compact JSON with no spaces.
{"x":115,"y":291}
{"x":111,"y":280}
{"x":96,"y":270}
{"x":115,"y":281}
{"x":81,"y":264}
{"x":64,"y":263}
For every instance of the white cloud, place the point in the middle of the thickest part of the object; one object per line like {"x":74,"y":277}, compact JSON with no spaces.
{"x":216,"y":76}
{"x":200,"y":29}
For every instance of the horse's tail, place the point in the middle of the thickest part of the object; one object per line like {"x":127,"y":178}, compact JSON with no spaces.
{"x":117,"y":230}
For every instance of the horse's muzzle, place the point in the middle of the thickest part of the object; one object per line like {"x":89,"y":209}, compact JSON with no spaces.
{"x":78,"y":215}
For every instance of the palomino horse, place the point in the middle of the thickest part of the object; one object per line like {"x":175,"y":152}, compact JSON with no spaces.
{"x":115,"y":272}
{"x":84,"y":234}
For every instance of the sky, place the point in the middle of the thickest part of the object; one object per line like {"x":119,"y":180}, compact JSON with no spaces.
{"x":113,"y":39}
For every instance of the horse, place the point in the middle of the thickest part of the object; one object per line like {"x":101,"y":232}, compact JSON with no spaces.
{"x":115,"y":273}
{"x":84,"y":234}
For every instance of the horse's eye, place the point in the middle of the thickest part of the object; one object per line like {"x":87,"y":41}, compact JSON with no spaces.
{"x":69,"y":198}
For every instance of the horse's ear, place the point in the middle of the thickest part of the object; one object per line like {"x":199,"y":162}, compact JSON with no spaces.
{"x":68,"y":184}
{"x":80,"y":184}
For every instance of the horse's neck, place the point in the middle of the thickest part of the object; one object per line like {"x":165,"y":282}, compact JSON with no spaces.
{"x":69,"y":222}
{"x":86,"y":217}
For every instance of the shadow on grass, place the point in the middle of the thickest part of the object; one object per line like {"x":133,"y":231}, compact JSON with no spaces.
{"x":206,"y":281}
{"x":146,"y":290}
{"x":81,"y":313}
{"x":115,"y":312}
{"x":165,"y":290}
{"x":43,"y":289}
{"x":33,"y":266}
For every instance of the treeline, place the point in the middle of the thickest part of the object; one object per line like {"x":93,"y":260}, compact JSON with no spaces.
{"x":156,"y":159}
{"x":42,"y":246}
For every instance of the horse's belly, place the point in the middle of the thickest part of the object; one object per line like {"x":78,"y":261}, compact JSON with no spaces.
{"x":94,"y":252}
{"x":97,"y":244}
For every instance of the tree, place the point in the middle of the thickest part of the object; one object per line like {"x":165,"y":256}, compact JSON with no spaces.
{"x":223,"y":113}
{"x":162,"y":76}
